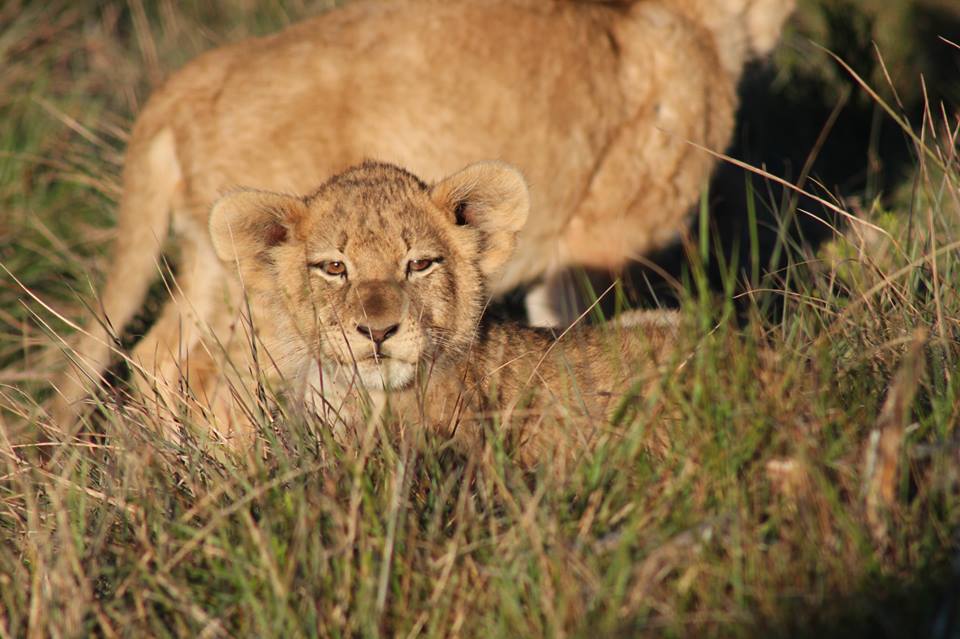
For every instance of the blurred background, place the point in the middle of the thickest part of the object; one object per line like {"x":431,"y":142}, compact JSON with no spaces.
{"x":805,"y":118}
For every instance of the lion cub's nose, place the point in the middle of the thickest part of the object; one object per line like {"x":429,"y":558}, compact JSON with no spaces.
{"x":378,"y":335}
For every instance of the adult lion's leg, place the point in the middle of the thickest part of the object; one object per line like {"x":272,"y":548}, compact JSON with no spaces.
{"x":167,"y":383}
{"x":555,"y":302}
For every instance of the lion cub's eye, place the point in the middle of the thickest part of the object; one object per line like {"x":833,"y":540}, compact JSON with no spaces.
{"x":418,"y":266}
{"x":333,"y":268}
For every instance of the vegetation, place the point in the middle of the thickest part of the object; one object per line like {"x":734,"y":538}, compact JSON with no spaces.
{"x":805,"y":482}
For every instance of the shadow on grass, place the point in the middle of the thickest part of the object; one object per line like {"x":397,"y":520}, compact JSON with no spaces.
{"x":889,"y":607}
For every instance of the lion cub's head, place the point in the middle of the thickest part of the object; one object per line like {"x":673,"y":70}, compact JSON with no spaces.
{"x":376,"y":274}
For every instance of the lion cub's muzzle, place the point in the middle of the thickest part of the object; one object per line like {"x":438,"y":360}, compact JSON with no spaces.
{"x":382,"y":341}
{"x":381,"y":306}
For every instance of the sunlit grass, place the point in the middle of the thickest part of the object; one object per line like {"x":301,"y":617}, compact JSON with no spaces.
{"x":799,"y":475}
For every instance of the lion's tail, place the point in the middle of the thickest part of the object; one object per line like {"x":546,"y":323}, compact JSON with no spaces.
{"x":151,"y":177}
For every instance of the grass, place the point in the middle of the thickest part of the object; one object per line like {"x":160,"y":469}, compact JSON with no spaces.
{"x":808,"y":484}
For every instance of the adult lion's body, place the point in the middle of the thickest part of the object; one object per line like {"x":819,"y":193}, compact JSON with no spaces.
{"x":595,"y":102}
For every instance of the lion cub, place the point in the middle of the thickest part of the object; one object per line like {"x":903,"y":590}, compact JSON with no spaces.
{"x":369,"y":294}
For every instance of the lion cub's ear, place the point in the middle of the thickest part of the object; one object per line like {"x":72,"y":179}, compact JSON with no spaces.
{"x":491,"y":197}
{"x":246,"y":224}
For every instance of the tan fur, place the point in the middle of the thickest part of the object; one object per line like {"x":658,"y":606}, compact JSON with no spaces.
{"x":594,"y":101}
{"x":380,"y":339}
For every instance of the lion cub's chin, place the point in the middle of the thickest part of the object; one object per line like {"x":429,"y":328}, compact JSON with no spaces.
{"x":386,"y":374}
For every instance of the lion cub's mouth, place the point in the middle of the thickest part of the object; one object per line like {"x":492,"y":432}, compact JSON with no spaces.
{"x":375,"y":357}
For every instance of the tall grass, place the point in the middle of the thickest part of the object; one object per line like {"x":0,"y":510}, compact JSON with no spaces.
{"x":805,"y":481}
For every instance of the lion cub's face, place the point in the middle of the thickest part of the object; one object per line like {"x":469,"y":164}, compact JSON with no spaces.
{"x":377,"y":273}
